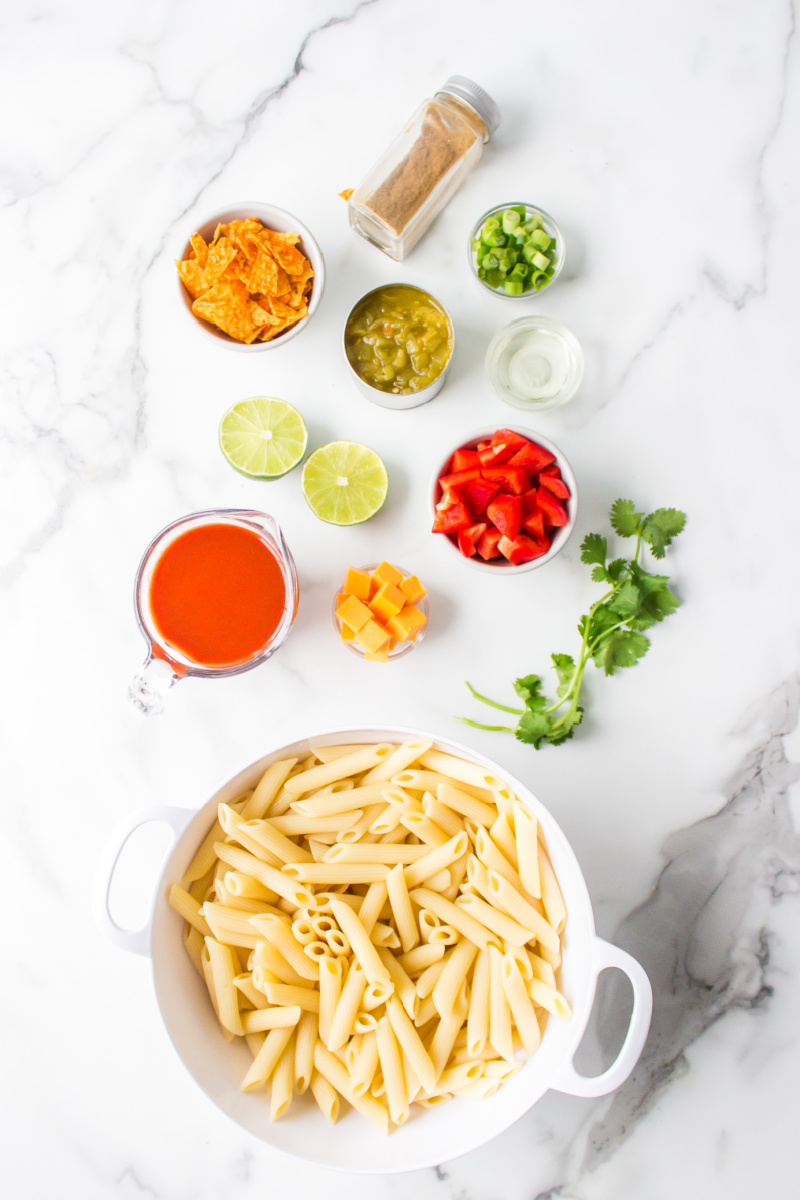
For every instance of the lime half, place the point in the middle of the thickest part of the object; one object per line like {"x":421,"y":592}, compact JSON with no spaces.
{"x":263,"y":437}
{"x":345,"y":483}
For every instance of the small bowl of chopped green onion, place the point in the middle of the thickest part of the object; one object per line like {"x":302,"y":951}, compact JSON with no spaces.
{"x":516,"y":250}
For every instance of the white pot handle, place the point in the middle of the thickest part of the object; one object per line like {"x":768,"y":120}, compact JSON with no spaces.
{"x":604,"y":954}
{"x":137,"y":941}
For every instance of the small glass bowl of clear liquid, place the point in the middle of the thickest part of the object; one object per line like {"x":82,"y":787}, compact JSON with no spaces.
{"x":535,"y":363}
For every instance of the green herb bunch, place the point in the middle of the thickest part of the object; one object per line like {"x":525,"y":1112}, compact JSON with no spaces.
{"x":612,"y":632}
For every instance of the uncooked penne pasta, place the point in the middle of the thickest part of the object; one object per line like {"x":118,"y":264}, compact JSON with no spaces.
{"x":365,"y":1064}
{"x":327,"y":754}
{"x":517,"y":907}
{"x":436,"y":860}
{"x":330,"y":989}
{"x":411,"y":1043}
{"x":520,"y":1004}
{"x":420,"y":958}
{"x":502,"y":834}
{"x":272,"y":841}
{"x":347,"y":1008}
{"x":424,"y":828}
{"x":459,"y":961}
{"x":188,"y":907}
{"x":373,"y":903}
{"x":552,"y":898}
{"x":279,"y":934}
{"x":446,"y":818}
{"x":403,"y":984}
{"x":224,"y":968}
{"x":290,"y":995}
{"x":499,"y":922}
{"x":499,"y":1010}
{"x":267,"y":1059}
{"x":282,"y":1083}
{"x":461,"y":802}
{"x":267,"y":788}
{"x":392,"y":1066}
{"x":402,"y":909}
{"x":460,"y":769}
{"x":363,"y":949}
{"x":376,"y":853}
{"x":325,"y":872}
{"x":205,"y":856}
{"x":295,"y":824}
{"x":271,"y":1018}
{"x":546,"y":996}
{"x":400,"y":758}
{"x":326,"y":1096}
{"x":478,"y":1015}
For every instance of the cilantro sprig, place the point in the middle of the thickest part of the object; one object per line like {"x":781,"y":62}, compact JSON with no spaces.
{"x":612,"y":632}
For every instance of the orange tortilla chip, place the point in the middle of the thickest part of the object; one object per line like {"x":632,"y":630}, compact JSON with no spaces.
{"x":346,"y":194}
{"x":249,"y":281}
{"x":226,"y":306}
{"x":191,"y":274}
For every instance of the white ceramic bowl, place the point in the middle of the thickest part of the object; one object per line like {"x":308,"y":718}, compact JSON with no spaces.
{"x":436,"y":1135}
{"x":501,"y":566}
{"x":282,"y":222}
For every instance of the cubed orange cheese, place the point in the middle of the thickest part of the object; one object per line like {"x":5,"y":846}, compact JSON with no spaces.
{"x":340,"y":598}
{"x":347,"y":633}
{"x":353,"y":613}
{"x":406,"y":623}
{"x":412,"y":589}
{"x":386,"y":573}
{"x":381,"y":655}
{"x":387,"y":601}
{"x":357,"y":583}
{"x":372,"y":636}
{"x":374,"y":586}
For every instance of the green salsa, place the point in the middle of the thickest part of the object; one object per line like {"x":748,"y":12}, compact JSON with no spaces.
{"x":398,"y":339}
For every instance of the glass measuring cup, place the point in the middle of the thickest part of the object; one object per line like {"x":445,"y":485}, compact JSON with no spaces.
{"x":166,"y":663}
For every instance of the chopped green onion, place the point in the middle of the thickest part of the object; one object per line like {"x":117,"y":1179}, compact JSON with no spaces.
{"x":539,"y":238}
{"x":511,"y":220}
{"x":513,"y":252}
{"x":512,"y":287}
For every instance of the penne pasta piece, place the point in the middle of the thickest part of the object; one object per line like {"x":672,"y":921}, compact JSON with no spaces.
{"x":326,"y":1096}
{"x":224,"y":967}
{"x":446,"y":818}
{"x":459,"y":961}
{"x":436,"y":860}
{"x":338,"y":943}
{"x":478,"y":1015}
{"x":424,"y":828}
{"x":303,"y":931}
{"x":276,"y":1017}
{"x":365,"y":1022}
{"x":244,"y":982}
{"x":363,"y":949}
{"x":330,"y":989}
{"x":474,"y":810}
{"x":427,"y":981}
{"x":273,"y":842}
{"x":520,"y":956}
{"x":294,"y":824}
{"x":502,"y":834}
{"x":520,"y":1004}
{"x":445,"y":1034}
{"x":341,"y":768}
{"x":322,"y":906}
{"x":458,"y":768}
{"x":517,"y":907}
{"x":440,"y":882}
{"x":546,"y":996}
{"x":402,"y":909}
{"x":365,"y":1065}
{"x":541,"y":969}
{"x":453,"y":1079}
{"x":385,"y":935}
{"x":392,"y":1068}
{"x":420,"y":958}
{"x":362,"y":827}
{"x":328,"y":1065}
{"x":373,"y":903}
{"x":275,"y":881}
{"x":188,"y":907}
{"x":282,"y":1082}
{"x":503,"y":799}
{"x":206,"y":857}
{"x":409,"y":1039}
{"x":194,"y":944}
{"x":327,"y":754}
{"x":374,"y":996}
{"x":266,"y":1060}
{"x":481,"y":1089}
{"x":279,"y":934}
{"x":325,"y":872}
{"x":403,"y":984}
{"x":347,"y":1007}
{"x":458,"y":871}
{"x":499,"y":922}
{"x":254,"y":1042}
{"x":552,"y":898}
{"x":444,"y":934}
{"x":268,"y":957}
{"x":499,"y":1011}
{"x":400,"y":758}
{"x":491,"y":857}
{"x":291,"y":996}
{"x":267,"y":788}
{"x":527,"y":845}
{"x":230,"y":822}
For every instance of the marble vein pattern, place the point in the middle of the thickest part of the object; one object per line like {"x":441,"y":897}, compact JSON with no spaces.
{"x":664,"y":140}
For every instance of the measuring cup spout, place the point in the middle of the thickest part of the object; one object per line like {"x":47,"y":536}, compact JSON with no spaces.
{"x":150,"y":686}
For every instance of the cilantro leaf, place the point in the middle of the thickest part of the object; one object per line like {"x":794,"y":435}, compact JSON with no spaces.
{"x":622,"y":648}
{"x":660,"y":527}
{"x":625,"y":520}
{"x":529,"y":690}
{"x":616,"y":568}
{"x":563,"y":732}
{"x":600,"y":574}
{"x":626,"y":602}
{"x":565,"y":670}
{"x":533,"y":728}
{"x":593,"y":549}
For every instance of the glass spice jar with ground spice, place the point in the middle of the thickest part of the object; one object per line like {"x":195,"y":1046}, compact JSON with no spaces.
{"x":411,"y":183}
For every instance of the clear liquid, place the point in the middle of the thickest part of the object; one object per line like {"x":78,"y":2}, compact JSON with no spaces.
{"x":536,"y":365}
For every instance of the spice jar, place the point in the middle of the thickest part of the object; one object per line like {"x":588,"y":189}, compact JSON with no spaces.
{"x":411,"y":183}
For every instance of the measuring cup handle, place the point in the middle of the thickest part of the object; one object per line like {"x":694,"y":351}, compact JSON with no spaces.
{"x":150,"y":686}
{"x":604,"y":955}
{"x":137,"y":941}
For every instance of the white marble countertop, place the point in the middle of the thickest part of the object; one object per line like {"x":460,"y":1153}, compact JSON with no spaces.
{"x":660,"y":138}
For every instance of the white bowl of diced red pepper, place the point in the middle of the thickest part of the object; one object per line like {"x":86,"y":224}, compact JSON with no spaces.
{"x":505,"y":500}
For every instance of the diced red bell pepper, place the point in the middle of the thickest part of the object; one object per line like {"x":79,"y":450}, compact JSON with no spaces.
{"x":511,"y":479}
{"x":479,"y":493}
{"x":552,"y":469}
{"x":531,"y":458}
{"x":450,"y":496}
{"x":487,"y":546}
{"x":554,"y":484}
{"x":509,"y":438}
{"x":481,"y":446}
{"x":457,"y":478}
{"x":468,"y":539}
{"x":522,"y":549}
{"x":528,"y":502}
{"x":465,"y":460}
{"x":534,"y":525}
{"x":505,"y":514}
{"x":452,"y":519}
{"x":554,"y":511}
{"x":493,"y":455}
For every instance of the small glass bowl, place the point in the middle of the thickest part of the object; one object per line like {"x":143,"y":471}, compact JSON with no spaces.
{"x":522,"y":372}
{"x":549,"y":227}
{"x":400,"y":648}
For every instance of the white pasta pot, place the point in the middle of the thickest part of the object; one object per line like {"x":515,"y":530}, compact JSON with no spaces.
{"x":434,"y":1135}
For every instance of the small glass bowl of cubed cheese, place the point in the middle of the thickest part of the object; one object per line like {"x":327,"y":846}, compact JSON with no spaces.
{"x":381,"y":611}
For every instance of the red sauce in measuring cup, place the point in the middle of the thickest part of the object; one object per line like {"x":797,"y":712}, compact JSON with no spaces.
{"x":218,"y":595}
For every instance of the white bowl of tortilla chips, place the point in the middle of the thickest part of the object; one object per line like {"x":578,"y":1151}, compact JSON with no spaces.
{"x":251,"y":276}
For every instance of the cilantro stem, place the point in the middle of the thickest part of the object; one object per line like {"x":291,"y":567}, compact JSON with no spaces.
{"x":491,"y":728}
{"x":517,"y":712}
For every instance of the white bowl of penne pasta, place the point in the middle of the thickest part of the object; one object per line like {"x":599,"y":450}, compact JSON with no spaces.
{"x":372,"y":932}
